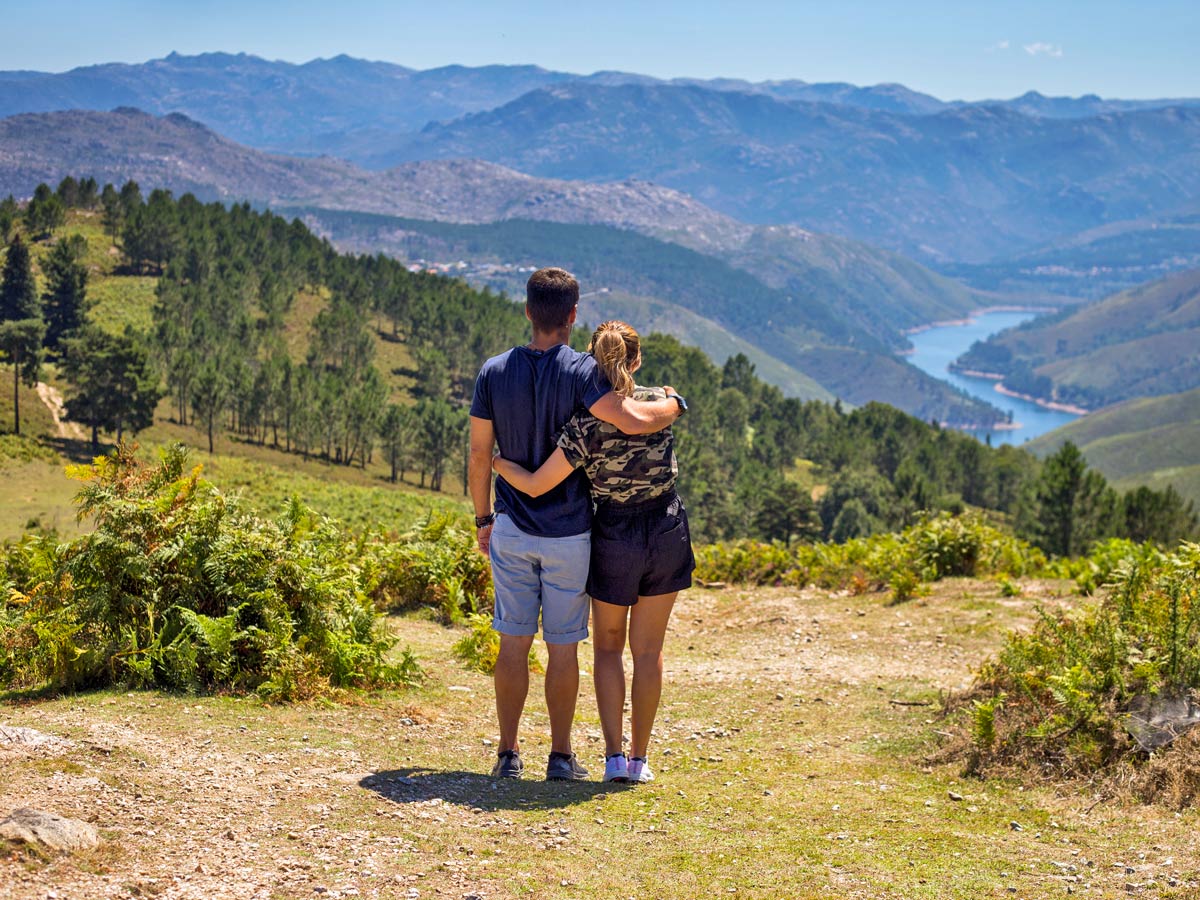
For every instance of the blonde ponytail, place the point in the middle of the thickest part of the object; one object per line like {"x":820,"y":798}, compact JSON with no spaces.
{"x":616,"y":347}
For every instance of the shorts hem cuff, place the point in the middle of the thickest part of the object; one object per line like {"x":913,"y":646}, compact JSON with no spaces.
{"x":514,"y":629}
{"x":567,"y":637}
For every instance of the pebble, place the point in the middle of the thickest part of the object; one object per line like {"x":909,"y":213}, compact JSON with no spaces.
{"x":954,"y":796}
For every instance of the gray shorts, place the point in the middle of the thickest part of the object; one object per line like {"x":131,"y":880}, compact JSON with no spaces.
{"x":543,"y":575}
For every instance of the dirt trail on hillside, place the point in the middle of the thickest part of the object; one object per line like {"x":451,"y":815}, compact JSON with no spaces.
{"x":774,"y":779}
{"x":53,"y":399}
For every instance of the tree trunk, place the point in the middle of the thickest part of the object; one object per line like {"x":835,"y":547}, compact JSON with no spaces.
{"x":211,"y":420}
{"x":16,"y":392}
{"x":95,"y":438}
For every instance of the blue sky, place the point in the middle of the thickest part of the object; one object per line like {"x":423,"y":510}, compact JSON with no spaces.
{"x":965,"y":49}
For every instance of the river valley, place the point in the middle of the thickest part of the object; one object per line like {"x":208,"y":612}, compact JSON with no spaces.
{"x":936,"y":347}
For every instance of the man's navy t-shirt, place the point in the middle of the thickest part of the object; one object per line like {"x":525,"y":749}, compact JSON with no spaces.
{"x":529,"y":395}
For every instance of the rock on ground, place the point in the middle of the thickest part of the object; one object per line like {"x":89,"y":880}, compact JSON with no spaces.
{"x":14,"y":738}
{"x":33,"y":826}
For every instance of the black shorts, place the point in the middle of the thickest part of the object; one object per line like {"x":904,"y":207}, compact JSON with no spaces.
{"x":640,"y":550}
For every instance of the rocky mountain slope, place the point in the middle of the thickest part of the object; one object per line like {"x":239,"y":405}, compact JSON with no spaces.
{"x":962,"y":185}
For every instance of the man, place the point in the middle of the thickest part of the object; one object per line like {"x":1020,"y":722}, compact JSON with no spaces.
{"x":540,"y":548}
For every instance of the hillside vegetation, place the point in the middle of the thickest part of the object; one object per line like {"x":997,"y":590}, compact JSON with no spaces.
{"x":811,"y":327}
{"x":1137,"y":343}
{"x":279,"y":349}
{"x":1150,"y":441}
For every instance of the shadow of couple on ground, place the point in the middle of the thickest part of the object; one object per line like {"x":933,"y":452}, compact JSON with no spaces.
{"x":476,"y":791}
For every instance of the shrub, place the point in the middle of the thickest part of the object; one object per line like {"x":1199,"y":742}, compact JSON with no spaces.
{"x":936,"y":547}
{"x":1073,"y":682}
{"x":437,"y":564}
{"x":179,"y":587}
{"x":479,"y":648}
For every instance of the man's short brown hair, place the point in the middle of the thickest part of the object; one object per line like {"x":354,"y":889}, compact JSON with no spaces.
{"x":550,"y":296}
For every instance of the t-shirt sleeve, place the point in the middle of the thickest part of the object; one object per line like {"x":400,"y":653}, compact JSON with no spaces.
{"x":592,"y":382}
{"x":573,"y":441}
{"x":481,"y":402}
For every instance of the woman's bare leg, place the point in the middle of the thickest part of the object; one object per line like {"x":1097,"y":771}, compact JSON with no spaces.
{"x":647,"y":629}
{"x":608,"y":670}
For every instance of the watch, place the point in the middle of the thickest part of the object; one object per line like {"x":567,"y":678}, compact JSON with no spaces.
{"x":678,"y":398}
{"x":485,"y":521}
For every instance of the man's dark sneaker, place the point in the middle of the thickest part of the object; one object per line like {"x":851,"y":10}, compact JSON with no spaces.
{"x":508,"y":765}
{"x":564,"y":767}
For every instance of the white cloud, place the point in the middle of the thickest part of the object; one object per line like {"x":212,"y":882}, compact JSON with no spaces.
{"x":1041,"y":48}
{"x":998,"y":46}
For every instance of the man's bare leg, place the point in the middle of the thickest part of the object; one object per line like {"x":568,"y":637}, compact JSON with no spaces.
{"x":512,"y":686}
{"x":562,"y":692}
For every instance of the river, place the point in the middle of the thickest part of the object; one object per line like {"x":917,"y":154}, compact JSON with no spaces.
{"x":935,"y":348}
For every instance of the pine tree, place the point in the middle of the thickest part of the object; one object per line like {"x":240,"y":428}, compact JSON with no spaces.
{"x":114,"y":385}
{"x":66,"y":288}
{"x":21,"y":342}
{"x":18,"y":291}
{"x":45,"y":212}
{"x":1075,"y":504}
{"x":8,"y":217}
{"x":21,"y":325}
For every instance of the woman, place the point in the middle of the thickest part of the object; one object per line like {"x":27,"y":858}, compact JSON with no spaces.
{"x":641,"y":549}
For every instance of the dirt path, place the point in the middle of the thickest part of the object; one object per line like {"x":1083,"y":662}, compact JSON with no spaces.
{"x":784,"y":770}
{"x":53,"y":400}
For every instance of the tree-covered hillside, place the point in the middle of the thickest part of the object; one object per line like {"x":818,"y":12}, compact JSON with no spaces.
{"x":1138,"y":343}
{"x":260,"y":338}
{"x":1149,"y":441}
{"x":809,"y":327}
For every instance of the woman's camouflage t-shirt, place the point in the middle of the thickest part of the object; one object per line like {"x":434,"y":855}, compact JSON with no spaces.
{"x":623,"y":468}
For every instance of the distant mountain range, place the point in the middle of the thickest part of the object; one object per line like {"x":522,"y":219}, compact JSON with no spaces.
{"x":1138,"y":343}
{"x":966,"y":184}
{"x":798,"y":292}
{"x":941,"y":181}
{"x":1096,"y":262}
{"x":317,"y":105}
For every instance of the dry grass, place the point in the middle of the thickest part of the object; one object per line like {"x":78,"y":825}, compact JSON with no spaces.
{"x":784,"y":770}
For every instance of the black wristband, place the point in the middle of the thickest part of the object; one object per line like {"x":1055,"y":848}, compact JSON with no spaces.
{"x":485,"y":521}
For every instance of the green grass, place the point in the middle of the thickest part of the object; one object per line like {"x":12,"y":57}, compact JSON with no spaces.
{"x":783,"y":771}
{"x":118,"y":301}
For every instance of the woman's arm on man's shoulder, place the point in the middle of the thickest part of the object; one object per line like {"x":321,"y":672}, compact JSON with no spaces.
{"x":635,"y":416}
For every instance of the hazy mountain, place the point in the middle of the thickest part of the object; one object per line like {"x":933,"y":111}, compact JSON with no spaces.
{"x":1096,"y":262}
{"x":965,"y":184}
{"x":880,"y":293}
{"x":277,"y":105}
{"x":940,"y":181}
{"x":814,"y":290}
{"x":337,"y":104}
{"x":1034,"y":104}
{"x":1137,"y":343}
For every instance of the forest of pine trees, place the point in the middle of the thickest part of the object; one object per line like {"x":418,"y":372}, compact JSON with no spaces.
{"x":219,"y":353}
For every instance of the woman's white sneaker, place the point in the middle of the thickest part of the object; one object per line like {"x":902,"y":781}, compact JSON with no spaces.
{"x":639,"y":770}
{"x":616,"y":768}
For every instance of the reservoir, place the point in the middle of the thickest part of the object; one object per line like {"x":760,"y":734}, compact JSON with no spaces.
{"x":937,"y":347}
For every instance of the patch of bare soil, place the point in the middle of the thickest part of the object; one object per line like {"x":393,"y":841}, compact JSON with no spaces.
{"x":53,"y":400}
